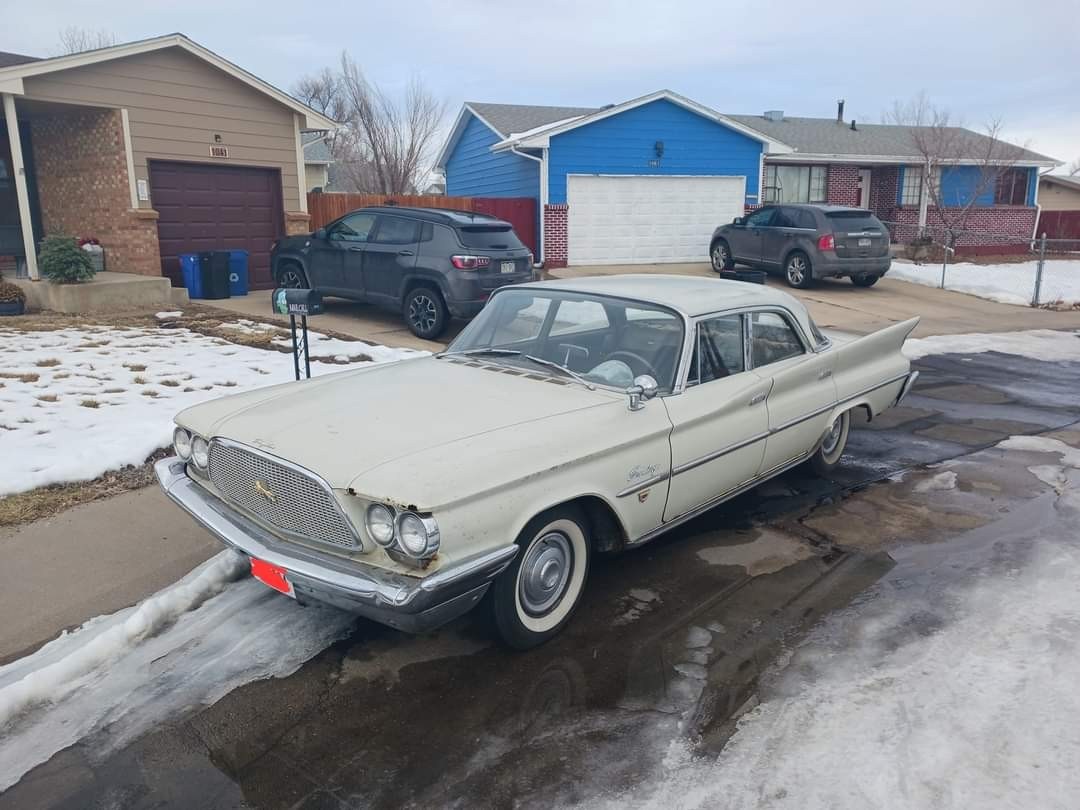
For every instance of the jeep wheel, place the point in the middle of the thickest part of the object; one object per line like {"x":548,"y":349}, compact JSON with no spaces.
{"x":720,"y":256}
{"x":533,"y":599}
{"x":425,"y":313}
{"x":292,"y":276}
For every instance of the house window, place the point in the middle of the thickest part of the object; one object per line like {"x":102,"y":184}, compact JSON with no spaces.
{"x":1012,"y":187}
{"x":795,"y":184}
{"x":912,"y":188}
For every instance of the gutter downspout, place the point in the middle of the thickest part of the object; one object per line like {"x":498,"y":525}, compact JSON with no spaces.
{"x":538,"y":260}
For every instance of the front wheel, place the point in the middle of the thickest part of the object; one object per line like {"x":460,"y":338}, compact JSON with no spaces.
{"x":425,"y":313}
{"x":797,"y":271}
{"x":720,"y":256}
{"x":868,"y":280}
{"x":533,"y":599}
{"x":293,"y":277}
{"x":828,"y":453}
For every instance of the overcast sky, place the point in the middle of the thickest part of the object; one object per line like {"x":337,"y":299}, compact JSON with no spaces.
{"x":1017,"y":61}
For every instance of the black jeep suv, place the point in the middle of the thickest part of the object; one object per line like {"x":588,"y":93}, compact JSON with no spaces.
{"x":429,"y":264}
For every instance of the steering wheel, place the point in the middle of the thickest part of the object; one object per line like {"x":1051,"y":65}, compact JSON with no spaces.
{"x":637,"y":362}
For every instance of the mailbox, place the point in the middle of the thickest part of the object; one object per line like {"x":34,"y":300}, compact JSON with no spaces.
{"x":297,"y":302}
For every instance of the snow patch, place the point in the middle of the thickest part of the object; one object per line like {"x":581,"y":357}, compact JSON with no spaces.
{"x":1005,"y":283}
{"x":937,"y":483}
{"x":168,"y":316}
{"x":76,"y":403}
{"x":1038,"y":344}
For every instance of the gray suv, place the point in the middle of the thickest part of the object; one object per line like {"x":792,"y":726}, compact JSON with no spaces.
{"x":805,"y":242}
{"x":429,"y":264}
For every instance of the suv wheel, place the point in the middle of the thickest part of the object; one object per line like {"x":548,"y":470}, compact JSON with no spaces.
{"x":720,"y":256}
{"x":868,"y":280}
{"x":292,"y":276}
{"x":797,"y":270}
{"x":425,"y":313}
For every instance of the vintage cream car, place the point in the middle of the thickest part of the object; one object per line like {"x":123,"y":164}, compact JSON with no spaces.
{"x":569,"y":418}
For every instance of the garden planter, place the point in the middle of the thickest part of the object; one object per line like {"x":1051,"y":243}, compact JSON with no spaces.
{"x":12,"y":307}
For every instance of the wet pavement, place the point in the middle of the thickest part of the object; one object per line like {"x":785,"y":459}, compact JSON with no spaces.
{"x":671,"y":642}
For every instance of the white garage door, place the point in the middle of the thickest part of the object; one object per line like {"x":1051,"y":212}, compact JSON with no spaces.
{"x":642,"y":220}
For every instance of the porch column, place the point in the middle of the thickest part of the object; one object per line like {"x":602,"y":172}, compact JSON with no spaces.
{"x":21,"y":192}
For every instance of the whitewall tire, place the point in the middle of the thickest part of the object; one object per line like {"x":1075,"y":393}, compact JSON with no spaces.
{"x":827,"y":456}
{"x":534,"y":598}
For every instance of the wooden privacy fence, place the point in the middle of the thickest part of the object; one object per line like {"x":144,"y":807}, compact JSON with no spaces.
{"x":324,"y":207}
{"x":1059,"y":224}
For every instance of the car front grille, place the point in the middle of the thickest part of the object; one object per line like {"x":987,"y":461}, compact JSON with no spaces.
{"x":279,"y":494}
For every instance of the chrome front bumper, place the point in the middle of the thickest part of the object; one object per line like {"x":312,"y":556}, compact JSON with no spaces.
{"x":412,"y":604}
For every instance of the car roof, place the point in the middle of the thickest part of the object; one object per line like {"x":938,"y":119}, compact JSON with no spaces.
{"x":691,"y":295}
{"x":447,"y":216}
{"x":825,"y":209}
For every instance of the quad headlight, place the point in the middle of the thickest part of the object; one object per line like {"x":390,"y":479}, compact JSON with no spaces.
{"x":181,"y":440}
{"x":380,"y":524}
{"x":200,"y":452}
{"x":417,"y":536}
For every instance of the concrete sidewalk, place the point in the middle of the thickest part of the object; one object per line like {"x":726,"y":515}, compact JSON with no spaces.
{"x":93,"y":559}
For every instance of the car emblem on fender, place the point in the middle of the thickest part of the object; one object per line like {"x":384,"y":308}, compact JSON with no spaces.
{"x":265,"y":491}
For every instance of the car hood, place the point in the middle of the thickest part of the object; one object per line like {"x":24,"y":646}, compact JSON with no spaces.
{"x":344,"y":425}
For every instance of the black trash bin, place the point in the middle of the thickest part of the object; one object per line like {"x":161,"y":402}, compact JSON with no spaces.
{"x":214,"y":273}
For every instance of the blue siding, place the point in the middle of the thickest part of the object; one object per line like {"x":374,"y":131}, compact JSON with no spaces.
{"x":1033,"y":182}
{"x":624,"y":144}
{"x":900,"y":185}
{"x":959,"y":183}
{"x":472,"y":170}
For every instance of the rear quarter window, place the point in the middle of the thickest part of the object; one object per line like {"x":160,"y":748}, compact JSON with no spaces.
{"x":489,"y":237}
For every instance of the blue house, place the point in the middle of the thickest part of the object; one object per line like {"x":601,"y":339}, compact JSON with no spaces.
{"x":647,"y":181}
{"x":644,"y":181}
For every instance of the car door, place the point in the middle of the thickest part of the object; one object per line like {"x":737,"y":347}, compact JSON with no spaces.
{"x":778,"y":237}
{"x":389,"y":255}
{"x":719,"y":422}
{"x":802,"y":391}
{"x":745,"y":240}
{"x":334,"y":263}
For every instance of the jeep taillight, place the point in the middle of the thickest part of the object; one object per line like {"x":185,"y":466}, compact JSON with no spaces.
{"x":826,"y":242}
{"x":469,"y":262}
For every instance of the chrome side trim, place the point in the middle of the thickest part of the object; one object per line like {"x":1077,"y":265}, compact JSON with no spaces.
{"x":715,"y":454}
{"x":640,"y":485}
{"x":652,"y":534}
{"x":865,"y":391}
{"x":800,"y":419}
{"x":908,"y":384}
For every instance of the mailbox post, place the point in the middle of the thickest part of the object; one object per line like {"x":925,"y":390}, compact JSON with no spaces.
{"x":303,"y":303}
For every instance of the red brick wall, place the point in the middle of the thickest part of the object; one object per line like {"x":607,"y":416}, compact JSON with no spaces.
{"x":843,"y":185}
{"x":83,"y":188}
{"x":1005,"y":227}
{"x":555,"y":217}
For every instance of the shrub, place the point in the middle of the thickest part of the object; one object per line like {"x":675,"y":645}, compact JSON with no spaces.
{"x":61,"y":260}
{"x":11,"y":293}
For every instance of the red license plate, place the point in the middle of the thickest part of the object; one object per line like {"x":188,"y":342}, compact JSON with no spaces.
{"x":273,"y":576}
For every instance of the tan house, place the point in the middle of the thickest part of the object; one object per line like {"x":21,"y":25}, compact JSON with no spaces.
{"x":1059,"y":193}
{"x":156,"y":148}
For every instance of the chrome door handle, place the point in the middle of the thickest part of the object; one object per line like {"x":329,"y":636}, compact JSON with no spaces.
{"x":404,"y":253}
{"x":824,"y":375}
{"x":757,"y":399}
{"x":357,"y":249}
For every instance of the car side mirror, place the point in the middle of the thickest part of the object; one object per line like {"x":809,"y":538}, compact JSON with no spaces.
{"x":738,"y":221}
{"x":644,"y":388}
{"x":320,"y":233}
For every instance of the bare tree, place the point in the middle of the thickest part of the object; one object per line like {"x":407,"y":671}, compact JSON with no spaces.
{"x":74,"y":39}
{"x":384,"y":144}
{"x":943,"y":144}
{"x":1073,"y":168}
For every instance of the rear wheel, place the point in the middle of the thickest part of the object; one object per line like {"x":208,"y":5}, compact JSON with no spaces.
{"x":868,"y":280}
{"x":797,"y":270}
{"x":425,"y":313}
{"x":720,"y":256}
{"x":828,"y":454}
{"x":534,"y":598}
{"x":292,"y":276}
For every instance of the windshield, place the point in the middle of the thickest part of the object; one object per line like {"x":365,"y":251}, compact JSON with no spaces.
{"x":602,"y":340}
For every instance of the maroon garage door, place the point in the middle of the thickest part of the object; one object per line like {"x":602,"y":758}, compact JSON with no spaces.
{"x":217,"y":208}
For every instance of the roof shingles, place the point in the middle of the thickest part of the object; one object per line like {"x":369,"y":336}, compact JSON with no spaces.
{"x":511,"y":118}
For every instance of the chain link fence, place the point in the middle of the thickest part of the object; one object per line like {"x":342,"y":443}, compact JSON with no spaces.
{"x":1000,"y":266}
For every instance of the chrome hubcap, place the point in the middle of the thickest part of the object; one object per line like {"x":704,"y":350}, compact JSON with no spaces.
{"x":545,"y":573}
{"x":422,"y":313}
{"x":832,"y":438}
{"x":290,"y":278}
{"x":796,"y":269}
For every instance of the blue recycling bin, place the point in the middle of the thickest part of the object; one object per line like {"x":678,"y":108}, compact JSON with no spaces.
{"x":238,"y":272}
{"x":191,"y":270}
